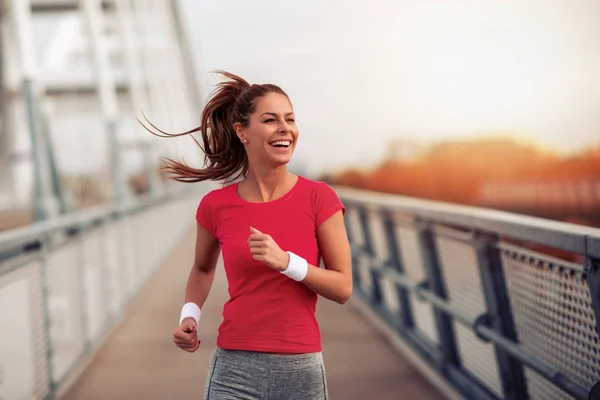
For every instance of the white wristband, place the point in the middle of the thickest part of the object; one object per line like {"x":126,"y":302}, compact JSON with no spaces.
{"x":297,"y":267}
{"x":190,"y":310}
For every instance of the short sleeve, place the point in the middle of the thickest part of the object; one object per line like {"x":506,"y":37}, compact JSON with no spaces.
{"x":204,"y":215}
{"x":327,"y":203}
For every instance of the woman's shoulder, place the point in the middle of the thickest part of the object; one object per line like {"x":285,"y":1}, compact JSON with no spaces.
{"x":218,"y":195}
{"x":320,"y":191}
{"x":316,"y":186}
{"x":310,"y":183}
{"x":324,"y":199}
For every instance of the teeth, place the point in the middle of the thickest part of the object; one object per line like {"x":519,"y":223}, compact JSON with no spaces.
{"x":281,"y":143}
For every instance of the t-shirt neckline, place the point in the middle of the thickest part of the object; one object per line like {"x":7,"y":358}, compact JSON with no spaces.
{"x":282,"y":198}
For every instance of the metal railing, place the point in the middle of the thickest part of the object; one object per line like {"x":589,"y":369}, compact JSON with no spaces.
{"x":64,"y":283}
{"x":500,"y":306}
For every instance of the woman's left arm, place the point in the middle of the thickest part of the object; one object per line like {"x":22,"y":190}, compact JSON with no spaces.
{"x":335,"y":281}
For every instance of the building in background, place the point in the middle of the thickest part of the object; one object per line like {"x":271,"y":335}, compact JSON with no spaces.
{"x":574,"y":200}
{"x":75,"y":75}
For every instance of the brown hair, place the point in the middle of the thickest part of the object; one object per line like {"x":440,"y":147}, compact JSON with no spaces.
{"x":233,"y":100}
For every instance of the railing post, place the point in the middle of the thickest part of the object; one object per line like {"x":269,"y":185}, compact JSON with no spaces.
{"x":352,"y":239}
{"x":83,"y":297}
{"x":396,"y":261}
{"x":429,"y":254}
{"x":592,"y":270}
{"x":499,"y":311}
{"x":376,"y":297}
{"x":105,"y":274}
{"x":47,"y":317}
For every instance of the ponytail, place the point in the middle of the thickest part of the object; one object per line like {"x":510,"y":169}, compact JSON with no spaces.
{"x":225,"y":157}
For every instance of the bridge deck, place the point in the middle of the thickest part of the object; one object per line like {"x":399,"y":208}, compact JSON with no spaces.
{"x":139,"y":360}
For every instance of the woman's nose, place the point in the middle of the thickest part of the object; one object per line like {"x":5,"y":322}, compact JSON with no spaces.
{"x":284,"y":127}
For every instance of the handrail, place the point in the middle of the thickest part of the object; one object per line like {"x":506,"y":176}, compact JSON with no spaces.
{"x":22,"y":235}
{"x":562,"y":235}
{"x":74,"y":276}
{"x":467,"y":265}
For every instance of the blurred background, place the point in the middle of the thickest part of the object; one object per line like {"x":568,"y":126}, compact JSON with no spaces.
{"x":483,"y":103}
{"x":75,"y":75}
{"x":490,"y":103}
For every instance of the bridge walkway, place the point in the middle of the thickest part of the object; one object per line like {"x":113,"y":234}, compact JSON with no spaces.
{"x":139,"y":360}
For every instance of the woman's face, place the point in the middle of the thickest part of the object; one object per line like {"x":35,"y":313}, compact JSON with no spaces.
{"x":271,"y":135}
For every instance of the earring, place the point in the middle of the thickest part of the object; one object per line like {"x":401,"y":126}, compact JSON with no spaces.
{"x":245,"y":140}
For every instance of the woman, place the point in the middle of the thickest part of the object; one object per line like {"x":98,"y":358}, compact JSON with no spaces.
{"x":273,"y":229}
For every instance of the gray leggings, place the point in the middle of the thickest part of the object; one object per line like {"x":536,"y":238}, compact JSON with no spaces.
{"x":248,"y":375}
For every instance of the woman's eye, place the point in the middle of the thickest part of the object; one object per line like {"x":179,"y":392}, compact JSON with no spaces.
{"x":269,"y":120}
{"x":292,"y":120}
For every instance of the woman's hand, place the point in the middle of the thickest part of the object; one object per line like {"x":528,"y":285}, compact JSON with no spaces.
{"x":185,"y":336}
{"x":264,"y":249}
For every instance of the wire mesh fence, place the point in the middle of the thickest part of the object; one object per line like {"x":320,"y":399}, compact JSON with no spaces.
{"x":70,"y":282}
{"x":501,"y":306}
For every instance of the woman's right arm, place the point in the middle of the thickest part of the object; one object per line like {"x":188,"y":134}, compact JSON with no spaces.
{"x":203,"y":269}
{"x":198,"y":286}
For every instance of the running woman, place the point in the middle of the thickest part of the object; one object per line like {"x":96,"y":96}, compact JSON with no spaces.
{"x":273,"y":228}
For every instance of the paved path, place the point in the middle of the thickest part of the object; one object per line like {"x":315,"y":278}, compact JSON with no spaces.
{"x":139,"y":360}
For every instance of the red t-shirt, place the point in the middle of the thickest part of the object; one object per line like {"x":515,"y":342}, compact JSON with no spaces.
{"x":266,"y":310}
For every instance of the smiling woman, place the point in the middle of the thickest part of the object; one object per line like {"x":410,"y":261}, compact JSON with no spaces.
{"x":227,"y":113}
{"x":274,"y":229}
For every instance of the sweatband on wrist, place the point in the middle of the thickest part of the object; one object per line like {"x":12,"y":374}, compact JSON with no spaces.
{"x":297,"y":267}
{"x":190,"y":310}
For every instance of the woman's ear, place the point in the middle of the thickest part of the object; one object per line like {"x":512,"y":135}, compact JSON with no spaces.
{"x":239,"y":131}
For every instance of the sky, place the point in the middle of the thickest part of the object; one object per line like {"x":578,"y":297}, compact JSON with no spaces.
{"x":362,"y":73}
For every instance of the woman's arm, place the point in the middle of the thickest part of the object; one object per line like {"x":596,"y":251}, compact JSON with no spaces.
{"x":203,"y":269}
{"x":335,"y":281}
{"x":198,"y":286}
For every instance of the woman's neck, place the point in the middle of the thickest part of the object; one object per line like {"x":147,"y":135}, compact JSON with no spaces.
{"x":266,"y":184}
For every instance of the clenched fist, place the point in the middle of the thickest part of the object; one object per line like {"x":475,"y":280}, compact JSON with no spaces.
{"x":185,"y":335}
{"x":264,"y":249}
